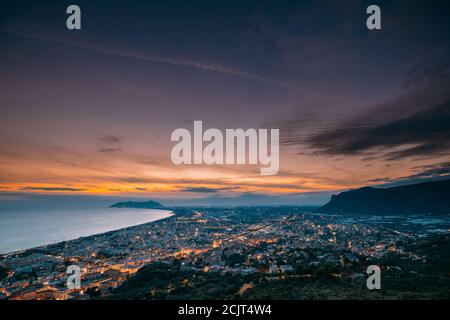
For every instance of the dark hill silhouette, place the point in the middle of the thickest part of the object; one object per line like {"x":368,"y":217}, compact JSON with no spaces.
{"x":139,"y":205}
{"x":422,"y":198}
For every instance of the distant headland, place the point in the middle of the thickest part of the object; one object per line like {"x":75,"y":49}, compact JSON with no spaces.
{"x":139,"y":205}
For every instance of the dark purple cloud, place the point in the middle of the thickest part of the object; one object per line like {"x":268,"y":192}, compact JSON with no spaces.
{"x":51,"y":189}
{"x":109,"y":143}
{"x":428,"y":131}
{"x":206,"y":189}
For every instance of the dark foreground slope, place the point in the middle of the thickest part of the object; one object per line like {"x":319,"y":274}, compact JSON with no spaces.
{"x":422,"y":198}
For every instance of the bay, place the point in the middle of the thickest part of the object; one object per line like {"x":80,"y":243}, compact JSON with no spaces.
{"x":25,"y":229}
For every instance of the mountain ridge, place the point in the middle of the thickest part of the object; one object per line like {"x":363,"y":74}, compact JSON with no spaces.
{"x":421,"y":198}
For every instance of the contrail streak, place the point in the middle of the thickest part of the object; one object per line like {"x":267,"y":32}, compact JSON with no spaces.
{"x":152,"y":58}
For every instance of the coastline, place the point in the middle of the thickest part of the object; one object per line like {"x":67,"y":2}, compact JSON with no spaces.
{"x":49,"y":246}
{"x":130,"y":262}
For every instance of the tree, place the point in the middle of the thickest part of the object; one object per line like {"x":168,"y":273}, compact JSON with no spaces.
{"x":3,"y":273}
{"x":93,"y":292}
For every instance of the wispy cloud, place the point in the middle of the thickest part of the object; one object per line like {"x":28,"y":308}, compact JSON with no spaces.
{"x":109,"y":143}
{"x":429,"y":70}
{"x":201,"y":65}
{"x":206,"y":189}
{"x":51,"y":189}
{"x":423,"y":173}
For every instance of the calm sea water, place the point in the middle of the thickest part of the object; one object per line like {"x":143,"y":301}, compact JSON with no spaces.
{"x":24,"y":229}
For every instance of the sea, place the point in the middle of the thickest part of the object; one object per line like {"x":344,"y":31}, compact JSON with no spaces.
{"x":24,"y":227}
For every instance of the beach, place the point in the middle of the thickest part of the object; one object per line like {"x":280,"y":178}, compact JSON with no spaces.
{"x":21,"y":230}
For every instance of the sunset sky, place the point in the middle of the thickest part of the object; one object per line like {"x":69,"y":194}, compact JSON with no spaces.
{"x":90,"y":112}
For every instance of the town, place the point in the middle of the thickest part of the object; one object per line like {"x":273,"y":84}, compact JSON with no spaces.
{"x":238,"y":252}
